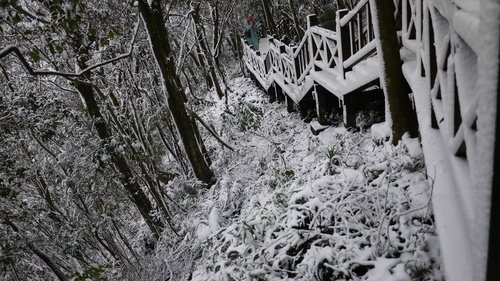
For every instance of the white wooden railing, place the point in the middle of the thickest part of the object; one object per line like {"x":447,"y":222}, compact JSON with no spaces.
{"x":320,"y":49}
{"x":442,"y":46}
{"x":441,"y":50}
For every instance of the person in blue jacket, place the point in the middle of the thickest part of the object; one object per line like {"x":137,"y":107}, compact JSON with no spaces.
{"x":251,"y":33}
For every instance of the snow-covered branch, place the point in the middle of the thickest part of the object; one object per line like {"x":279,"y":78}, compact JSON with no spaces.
{"x":14,"y":49}
{"x":26,"y":12}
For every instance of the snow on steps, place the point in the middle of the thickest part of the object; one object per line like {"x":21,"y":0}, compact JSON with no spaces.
{"x":317,"y":128}
{"x":296,"y":93}
{"x":361,"y":74}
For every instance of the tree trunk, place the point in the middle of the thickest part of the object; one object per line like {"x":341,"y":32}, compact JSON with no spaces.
{"x":44,"y":257}
{"x":158,"y":35}
{"x":127,"y":178}
{"x":203,"y":44}
{"x":271,"y":26}
{"x":296,"y":25}
{"x":197,"y":58}
{"x":48,"y":261}
{"x":392,"y":79}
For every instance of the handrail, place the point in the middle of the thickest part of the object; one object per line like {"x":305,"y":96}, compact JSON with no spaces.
{"x":355,"y":35}
{"x":361,"y":54}
{"x":302,"y":43}
{"x":324,"y":32}
{"x":319,"y":49}
{"x":440,"y":34}
{"x":353,"y":12}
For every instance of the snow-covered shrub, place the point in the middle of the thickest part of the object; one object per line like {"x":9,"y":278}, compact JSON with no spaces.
{"x":338,"y":206}
{"x":292,"y":206}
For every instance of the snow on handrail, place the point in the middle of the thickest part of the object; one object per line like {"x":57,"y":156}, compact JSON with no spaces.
{"x":361,"y":54}
{"x":467,"y":26}
{"x":301,"y":44}
{"x":344,"y":20}
{"x":324,"y":32}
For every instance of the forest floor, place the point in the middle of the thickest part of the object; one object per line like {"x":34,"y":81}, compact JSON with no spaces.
{"x":289,"y":205}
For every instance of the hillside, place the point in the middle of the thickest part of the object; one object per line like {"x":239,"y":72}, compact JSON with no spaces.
{"x":289,"y":205}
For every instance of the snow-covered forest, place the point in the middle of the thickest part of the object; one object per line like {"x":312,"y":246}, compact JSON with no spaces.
{"x":214,"y":140}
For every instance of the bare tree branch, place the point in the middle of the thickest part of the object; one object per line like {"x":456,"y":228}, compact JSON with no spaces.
{"x":197,"y":117}
{"x":44,"y":257}
{"x":15,"y":49}
{"x":27,"y":13}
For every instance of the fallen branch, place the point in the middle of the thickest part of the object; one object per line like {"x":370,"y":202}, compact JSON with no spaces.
{"x":210,"y":130}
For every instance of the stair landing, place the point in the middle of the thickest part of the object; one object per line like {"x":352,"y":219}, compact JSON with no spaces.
{"x":361,"y":75}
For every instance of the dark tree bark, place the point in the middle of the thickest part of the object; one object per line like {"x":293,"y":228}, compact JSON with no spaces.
{"x":48,"y":261}
{"x":392,"y":80}
{"x":203,"y":44}
{"x":39,"y":253}
{"x":271,"y":26}
{"x":159,"y":38}
{"x":127,"y":178}
{"x":295,"y":20}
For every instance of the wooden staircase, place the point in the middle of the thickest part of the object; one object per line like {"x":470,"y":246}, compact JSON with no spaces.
{"x":341,"y":62}
{"x":445,"y":53}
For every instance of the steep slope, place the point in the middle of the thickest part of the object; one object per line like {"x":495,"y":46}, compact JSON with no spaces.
{"x":289,"y":205}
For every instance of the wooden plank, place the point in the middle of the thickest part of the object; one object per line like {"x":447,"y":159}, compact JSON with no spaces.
{"x":360,"y":43}
{"x":343,"y":20}
{"x":351,"y":40}
{"x":492,"y":271}
{"x":289,"y":105}
{"x":405,"y":19}
{"x":324,"y":105}
{"x":343,"y":44}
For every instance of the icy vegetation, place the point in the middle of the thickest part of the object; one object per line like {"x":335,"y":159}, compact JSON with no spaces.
{"x":289,"y":205}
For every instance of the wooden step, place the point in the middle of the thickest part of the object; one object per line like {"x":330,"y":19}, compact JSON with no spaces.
{"x":362,"y":74}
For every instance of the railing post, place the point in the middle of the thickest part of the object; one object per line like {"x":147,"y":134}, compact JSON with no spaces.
{"x":324,"y":105}
{"x":281,"y":64}
{"x":280,"y":96}
{"x":289,"y":104}
{"x":419,"y":27}
{"x":360,"y":30}
{"x":404,"y":18}
{"x":369,"y":23}
{"x":296,"y":65}
{"x":269,"y":56}
{"x":343,"y":41}
{"x":272,"y":93}
{"x":312,"y":20}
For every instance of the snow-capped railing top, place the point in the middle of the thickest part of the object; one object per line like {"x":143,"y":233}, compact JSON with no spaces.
{"x":320,"y":49}
{"x":259,"y":64}
{"x":356,"y":36}
{"x":442,"y":41}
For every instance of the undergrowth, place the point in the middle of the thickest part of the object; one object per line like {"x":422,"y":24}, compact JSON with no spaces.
{"x":292,"y":206}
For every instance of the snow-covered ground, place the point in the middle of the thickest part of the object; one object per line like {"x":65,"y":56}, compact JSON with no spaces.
{"x":289,"y":205}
